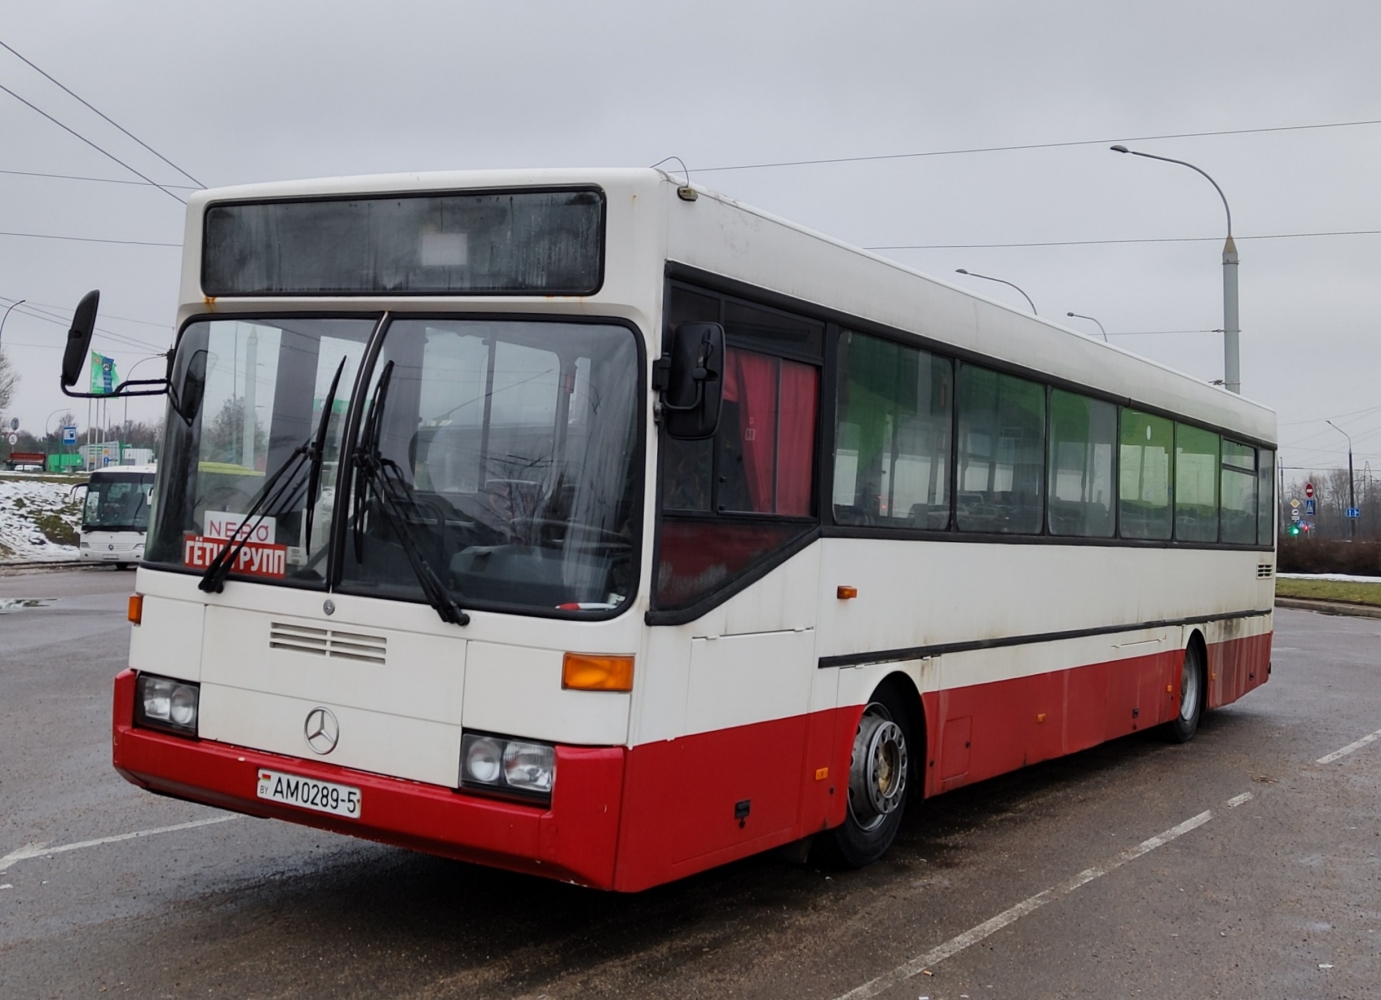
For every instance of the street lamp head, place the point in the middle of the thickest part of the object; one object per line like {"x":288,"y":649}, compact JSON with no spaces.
{"x":960,"y":270}
{"x":1119,"y":149}
{"x":1069,"y":314}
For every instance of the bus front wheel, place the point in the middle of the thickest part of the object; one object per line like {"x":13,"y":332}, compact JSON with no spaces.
{"x":878,"y":773}
{"x":1192,"y":693}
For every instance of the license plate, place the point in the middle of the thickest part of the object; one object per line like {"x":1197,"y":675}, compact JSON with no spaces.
{"x":308,"y":793}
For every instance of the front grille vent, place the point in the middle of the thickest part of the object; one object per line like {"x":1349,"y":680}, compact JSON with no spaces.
{"x":1264,"y":571}
{"x":328,"y":642}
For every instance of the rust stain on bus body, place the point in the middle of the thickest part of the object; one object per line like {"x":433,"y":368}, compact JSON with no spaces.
{"x":210,"y":301}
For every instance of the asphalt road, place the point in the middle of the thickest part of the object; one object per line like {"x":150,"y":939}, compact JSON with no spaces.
{"x":1235,"y":866}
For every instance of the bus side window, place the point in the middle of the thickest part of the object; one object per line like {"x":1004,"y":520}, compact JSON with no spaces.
{"x":1196,"y":484}
{"x":1238,"y":492}
{"x":1083,"y":432}
{"x":1001,"y":452}
{"x":892,"y":453}
{"x":1143,"y":494}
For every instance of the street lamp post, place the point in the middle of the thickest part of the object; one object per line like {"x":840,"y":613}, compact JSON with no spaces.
{"x":1232,"y":379}
{"x":1351,"y":493}
{"x":1100,"y":325}
{"x":1000,"y":281}
{"x":7,"y":314}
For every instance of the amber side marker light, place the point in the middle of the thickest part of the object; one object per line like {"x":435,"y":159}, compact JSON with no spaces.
{"x":846,"y":593}
{"x":136,"y":608}
{"x":597,"y":672}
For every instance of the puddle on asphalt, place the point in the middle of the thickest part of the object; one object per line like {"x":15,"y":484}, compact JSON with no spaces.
{"x":21,"y":603}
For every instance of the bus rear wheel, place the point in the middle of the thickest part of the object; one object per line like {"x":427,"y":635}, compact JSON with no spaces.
{"x":1182,"y":728}
{"x":878,"y":774}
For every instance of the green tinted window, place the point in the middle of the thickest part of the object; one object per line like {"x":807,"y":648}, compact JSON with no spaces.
{"x":1143,"y":502}
{"x":1239,"y":494}
{"x":1083,"y":433}
{"x":892,"y":435}
{"x":1001,"y":452}
{"x":1196,"y":484}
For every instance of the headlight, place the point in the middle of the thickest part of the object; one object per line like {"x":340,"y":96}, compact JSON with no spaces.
{"x":164,"y":703}
{"x":504,"y":766}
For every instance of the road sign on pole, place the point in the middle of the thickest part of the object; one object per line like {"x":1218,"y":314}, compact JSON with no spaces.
{"x":1354,"y":512}
{"x":1309,"y":507}
{"x":1294,"y":513}
{"x":1309,"y":489}
{"x":69,"y":435}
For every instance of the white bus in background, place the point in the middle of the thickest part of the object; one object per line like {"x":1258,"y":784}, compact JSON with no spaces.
{"x":590,"y":525}
{"x":115,"y":514}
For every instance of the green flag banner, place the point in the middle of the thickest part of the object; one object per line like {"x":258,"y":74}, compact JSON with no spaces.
{"x":103,"y":378}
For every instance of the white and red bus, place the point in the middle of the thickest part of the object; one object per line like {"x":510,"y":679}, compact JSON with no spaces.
{"x":590,"y":525}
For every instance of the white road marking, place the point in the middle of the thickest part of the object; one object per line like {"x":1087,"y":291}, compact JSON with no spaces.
{"x":41,"y":850}
{"x":1330,"y":758}
{"x":1237,"y":800}
{"x":989,"y":927}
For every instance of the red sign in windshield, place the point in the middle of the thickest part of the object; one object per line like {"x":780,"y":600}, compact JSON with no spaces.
{"x":255,"y":559}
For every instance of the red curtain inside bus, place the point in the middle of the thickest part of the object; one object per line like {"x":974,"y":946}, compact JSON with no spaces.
{"x":776,"y":403}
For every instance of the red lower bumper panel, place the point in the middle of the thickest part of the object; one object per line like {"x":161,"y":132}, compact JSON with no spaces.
{"x":574,"y":839}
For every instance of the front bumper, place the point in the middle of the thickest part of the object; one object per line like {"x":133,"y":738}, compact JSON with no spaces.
{"x":574,"y":839}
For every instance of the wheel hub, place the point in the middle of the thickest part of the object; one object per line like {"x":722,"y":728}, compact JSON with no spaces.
{"x":877,"y":773}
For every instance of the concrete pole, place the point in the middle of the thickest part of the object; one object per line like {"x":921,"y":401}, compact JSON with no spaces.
{"x":1232,"y":376}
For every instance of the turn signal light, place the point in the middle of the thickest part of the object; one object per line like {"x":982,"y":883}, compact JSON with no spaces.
{"x":846,"y":593}
{"x":597,"y":672}
{"x":136,"y":608}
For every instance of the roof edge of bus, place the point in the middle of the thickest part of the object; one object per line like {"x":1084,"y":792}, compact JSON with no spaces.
{"x":431,"y":180}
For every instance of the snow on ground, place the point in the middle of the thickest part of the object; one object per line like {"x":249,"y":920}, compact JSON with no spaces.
{"x":1333,"y":577}
{"x":36,"y":516}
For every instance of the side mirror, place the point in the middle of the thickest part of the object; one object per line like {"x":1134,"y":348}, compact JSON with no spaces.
{"x":79,"y":338}
{"x":692,"y":377}
{"x":188,"y":391}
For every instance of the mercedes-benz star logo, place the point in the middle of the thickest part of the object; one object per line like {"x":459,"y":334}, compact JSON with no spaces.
{"x":322,"y":731}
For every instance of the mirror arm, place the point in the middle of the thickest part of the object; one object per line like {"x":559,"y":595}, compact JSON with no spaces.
{"x":112,"y":395}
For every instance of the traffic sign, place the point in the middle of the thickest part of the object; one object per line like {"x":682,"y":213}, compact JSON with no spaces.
{"x":69,"y":435}
{"x":1354,"y":512}
{"x":1309,"y":507}
{"x":1294,"y":503}
{"x":1309,"y":489}
{"x":13,"y":439}
{"x":1294,"y":514}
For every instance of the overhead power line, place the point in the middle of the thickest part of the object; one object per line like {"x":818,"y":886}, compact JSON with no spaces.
{"x":54,"y":316}
{"x":94,"y":180}
{"x":105,"y":117}
{"x":89,"y":239}
{"x":1030,"y":145}
{"x":1090,"y":243}
{"x":103,"y":152}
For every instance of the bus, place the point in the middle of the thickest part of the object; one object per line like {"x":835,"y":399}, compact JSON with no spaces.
{"x":593,"y":525}
{"x":115,"y":514}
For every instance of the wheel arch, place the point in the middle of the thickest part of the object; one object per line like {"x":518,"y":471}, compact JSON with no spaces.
{"x":904,"y":687}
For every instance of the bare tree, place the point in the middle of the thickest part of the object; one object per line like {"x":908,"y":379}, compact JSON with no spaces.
{"x":9,"y":378}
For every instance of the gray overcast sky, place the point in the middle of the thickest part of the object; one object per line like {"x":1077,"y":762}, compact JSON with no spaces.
{"x":257,"y":91}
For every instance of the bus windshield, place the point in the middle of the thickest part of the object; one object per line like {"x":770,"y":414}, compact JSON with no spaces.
{"x":508,"y":451}
{"x":514,"y":448}
{"x":117,"y":501}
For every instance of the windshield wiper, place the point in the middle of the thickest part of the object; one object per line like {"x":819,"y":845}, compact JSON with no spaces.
{"x":267,"y":499}
{"x":386,"y":480}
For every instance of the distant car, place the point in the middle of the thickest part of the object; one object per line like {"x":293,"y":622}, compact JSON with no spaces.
{"x":28,"y":468}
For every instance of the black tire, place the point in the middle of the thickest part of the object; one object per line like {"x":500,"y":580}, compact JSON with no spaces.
{"x":121,"y":567}
{"x":879,"y":781}
{"x":1193,"y":691}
